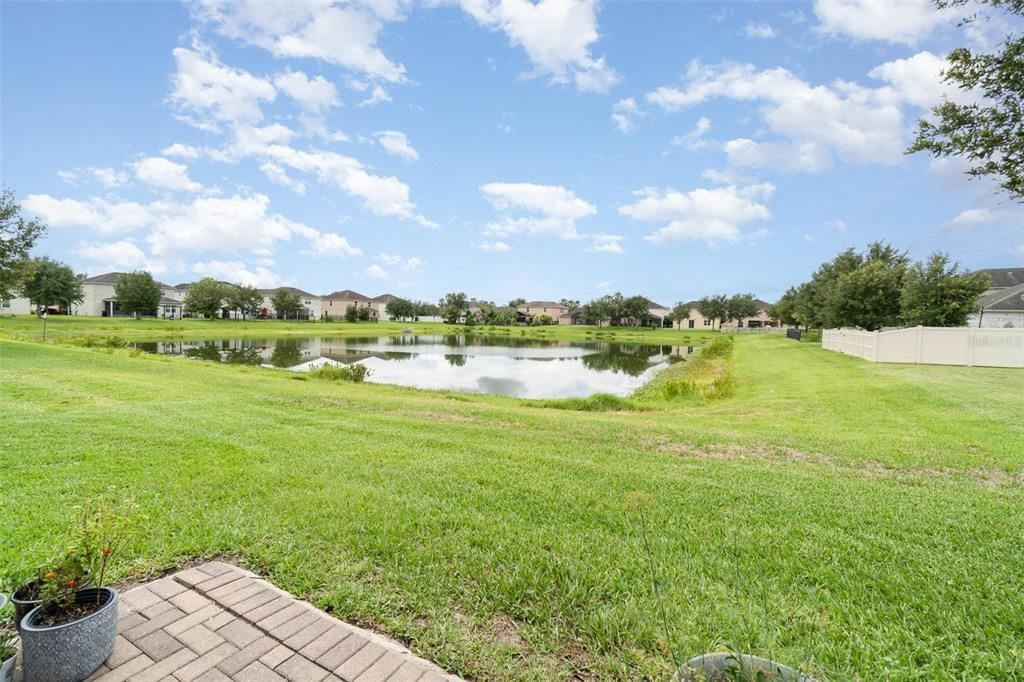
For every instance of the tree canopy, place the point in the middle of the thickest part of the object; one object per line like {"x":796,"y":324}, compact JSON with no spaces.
{"x":680,"y":311}
{"x":243,"y":298}
{"x":454,"y":307}
{"x":17,"y":237}
{"x":286,"y":303}
{"x":989,"y":131}
{"x":714,"y":308}
{"x":137,"y":293}
{"x":206,"y":297}
{"x":938,"y":294}
{"x":400,"y":309}
{"x":740,"y":307}
{"x":53,"y":284}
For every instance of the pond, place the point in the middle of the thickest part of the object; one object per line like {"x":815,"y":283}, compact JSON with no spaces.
{"x":523,"y":368}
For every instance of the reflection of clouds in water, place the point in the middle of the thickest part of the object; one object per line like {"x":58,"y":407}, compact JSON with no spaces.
{"x":506,"y":376}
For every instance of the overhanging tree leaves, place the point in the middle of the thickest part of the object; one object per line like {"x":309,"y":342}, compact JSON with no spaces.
{"x":990,"y":133}
{"x":17,"y":236}
{"x":137,"y":293}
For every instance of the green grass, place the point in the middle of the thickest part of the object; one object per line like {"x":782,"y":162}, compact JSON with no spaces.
{"x":858,"y":521}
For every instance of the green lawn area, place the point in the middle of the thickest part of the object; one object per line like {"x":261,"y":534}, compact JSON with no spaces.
{"x":858,"y":521}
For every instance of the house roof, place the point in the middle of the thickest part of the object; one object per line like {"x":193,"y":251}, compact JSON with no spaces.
{"x":113,"y":277}
{"x":348,"y":295}
{"x":1003,"y":278}
{"x":542,"y":304}
{"x":1010,"y":299}
{"x":297,"y":292}
{"x":652,"y":304}
{"x":384,"y":298}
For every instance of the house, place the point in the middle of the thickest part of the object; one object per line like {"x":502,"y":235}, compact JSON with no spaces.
{"x":15,"y":306}
{"x":761,"y":320}
{"x":380,"y":304}
{"x":1001,"y":307}
{"x":1003,"y":278}
{"x":531,"y":310}
{"x":657,"y":315}
{"x":311,"y":309}
{"x":334,"y":305}
{"x":99,"y":298}
{"x":696,"y":320}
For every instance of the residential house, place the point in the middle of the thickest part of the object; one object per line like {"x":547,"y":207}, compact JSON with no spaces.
{"x":657,"y":315}
{"x":312,"y":305}
{"x":380,"y":304}
{"x":1001,"y":307}
{"x":15,"y":306}
{"x":1003,"y":278}
{"x":759,"y":321}
{"x":536,"y":309}
{"x":99,"y":298}
{"x":696,"y":320}
{"x":334,"y":305}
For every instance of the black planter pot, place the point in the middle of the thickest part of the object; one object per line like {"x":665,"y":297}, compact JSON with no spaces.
{"x":22,"y":606}
{"x":72,"y":651}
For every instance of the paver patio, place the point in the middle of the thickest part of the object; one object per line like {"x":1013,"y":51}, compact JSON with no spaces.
{"x":217,"y":622}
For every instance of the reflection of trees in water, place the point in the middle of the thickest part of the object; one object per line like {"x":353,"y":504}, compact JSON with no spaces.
{"x":455,"y":360}
{"x":247,"y":355}
{"x":287,"y":353}
{"x":627,"y":358}
{"x":207,"y":351}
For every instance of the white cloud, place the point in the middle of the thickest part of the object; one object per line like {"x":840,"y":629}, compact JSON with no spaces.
{"x":97,"y":214}
{"x":814,"y":124}
{"x":278,"y":176}
{"x":377,"y":96}
{"x":389,"y":259}
{"x":708,"y":214}
{"x":161,"y":172}
{"x":752,"y":30}
{"x":313,"y":94}
{"x":108,"y":177}
{"x":893,"y":21}
{"x":839,"y":225}
{"x":606,"y":243}
{"x":556,"y":209}
{"x":377,"y":271}
{"x":624,"y":114}
{"x":331,"y":244}
{"x":397,"y":144}
{"x":979,"y":216}
{"x":345,"y":35}
{"x":211,"y":89}
{"x":118,"y":256}
{"x":237,"y":272}
{"x":694,"y":140}
{"x":495,"y":247}
{"x":556,"y":35}
{"x":184,"y":151}
{"x":414,"y":264}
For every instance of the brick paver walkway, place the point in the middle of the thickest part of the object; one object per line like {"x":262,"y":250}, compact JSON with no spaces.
{"x":217,"y":622}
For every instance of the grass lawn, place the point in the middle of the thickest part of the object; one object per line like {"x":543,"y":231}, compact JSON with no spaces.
{"x":858,"y":521}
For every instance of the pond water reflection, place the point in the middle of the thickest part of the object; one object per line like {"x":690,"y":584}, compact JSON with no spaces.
{"x":524,"y":368}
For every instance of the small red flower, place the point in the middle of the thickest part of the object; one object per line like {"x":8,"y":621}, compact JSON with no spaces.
{"x":50,"y":576}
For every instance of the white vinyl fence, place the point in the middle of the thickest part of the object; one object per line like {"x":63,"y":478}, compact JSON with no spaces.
{"x":970,"y":346}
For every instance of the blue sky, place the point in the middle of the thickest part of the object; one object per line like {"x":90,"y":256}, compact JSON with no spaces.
{"x":502,"y":148}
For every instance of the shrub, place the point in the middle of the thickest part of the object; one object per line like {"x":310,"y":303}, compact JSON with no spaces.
{"x":599,"y":402}
{"x":355,"y":373}
{"x":811,"y":335}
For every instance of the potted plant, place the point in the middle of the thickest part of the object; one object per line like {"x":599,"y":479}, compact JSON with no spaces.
{"x":72,"y":631}
{"x":26,"y":598}
{"x":8,"y":646}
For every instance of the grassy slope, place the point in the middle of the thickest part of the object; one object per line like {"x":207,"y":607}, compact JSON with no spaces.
{"x":858,"y":520}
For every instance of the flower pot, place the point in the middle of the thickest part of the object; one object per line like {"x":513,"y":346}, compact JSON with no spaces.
{"x":23,"y":605}
{"x":7,"y":669}
{"x":730,"y":667}
{"x":71,"y":651}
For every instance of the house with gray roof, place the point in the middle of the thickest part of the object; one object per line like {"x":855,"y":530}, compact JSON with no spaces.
{"x":1000,"y":308}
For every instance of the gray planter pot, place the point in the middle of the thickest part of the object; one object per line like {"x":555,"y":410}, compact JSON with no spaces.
{"x":72,"y":651}
{"x":7,"y":669}
{"x":730,"y":667}
{"x":22,"y":607}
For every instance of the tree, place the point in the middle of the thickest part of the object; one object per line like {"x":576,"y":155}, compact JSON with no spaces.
{"x":206,"y":297}
{"x":680,"y":312}
{"x":785,"y":309}
{"x":424,"y":309}
{"x":400,"y":309}
{"x":286,"y":302}
{"x":988,"y":132}
{"x":869,"y":296}
{"x":137,"y":293}
{"x":713,"y":308}
{"x":453,"y":306}
{"x":570,"y":303}
{"x":17,"y":237}
{"x":243,"y":299}
{"x":364,"y":314}
{"x":516,"y":302}
{"x":352,"y":314}
{"x":636,"y":308}
{"x":52,"y":285}
{"x":939,"y":294}
{"x":740,"y":307}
